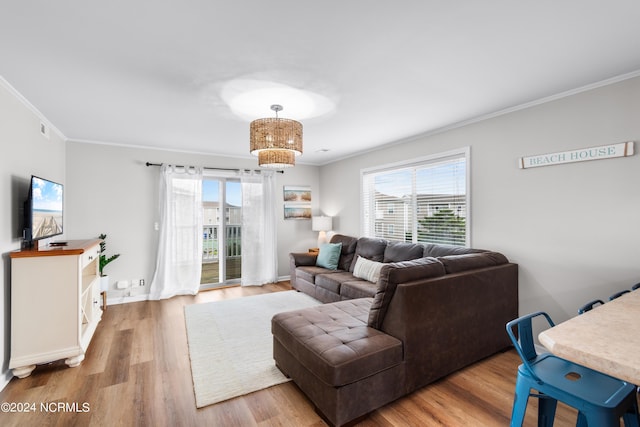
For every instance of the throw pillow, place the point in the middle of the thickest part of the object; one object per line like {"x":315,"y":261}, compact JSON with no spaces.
{"x":367,"y":269}
{"x":329,"y":255}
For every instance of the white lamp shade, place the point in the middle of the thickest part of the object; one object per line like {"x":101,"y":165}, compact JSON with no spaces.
{"x":321,"y":223}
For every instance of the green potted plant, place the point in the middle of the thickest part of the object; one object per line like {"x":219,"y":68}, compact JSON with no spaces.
{"x":103,"y":262}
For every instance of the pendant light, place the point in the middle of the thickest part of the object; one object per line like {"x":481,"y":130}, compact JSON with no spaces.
{"x":276,"y":141}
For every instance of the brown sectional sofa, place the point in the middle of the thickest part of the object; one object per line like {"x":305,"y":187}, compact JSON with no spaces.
{"x":434,"y":309}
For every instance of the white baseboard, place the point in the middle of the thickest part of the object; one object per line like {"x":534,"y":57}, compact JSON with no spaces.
{"x":126,"y":299}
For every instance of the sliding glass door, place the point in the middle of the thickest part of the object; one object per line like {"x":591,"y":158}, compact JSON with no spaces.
{"x":222,"y":228}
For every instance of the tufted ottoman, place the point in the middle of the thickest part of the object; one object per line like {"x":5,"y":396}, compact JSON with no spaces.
{"x":345,"y":367}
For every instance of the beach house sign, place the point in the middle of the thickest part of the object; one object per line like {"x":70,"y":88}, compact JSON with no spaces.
{"x":622,"y":149}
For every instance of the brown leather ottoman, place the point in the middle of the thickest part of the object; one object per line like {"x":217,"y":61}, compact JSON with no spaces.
{"x":346,"y":368}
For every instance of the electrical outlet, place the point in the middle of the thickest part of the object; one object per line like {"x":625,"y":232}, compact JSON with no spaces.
{"x":137,"y":283}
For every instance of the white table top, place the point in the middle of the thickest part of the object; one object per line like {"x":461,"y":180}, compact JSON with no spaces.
{"x":606,"y":339}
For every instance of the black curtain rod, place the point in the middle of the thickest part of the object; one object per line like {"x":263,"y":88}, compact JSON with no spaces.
{"x":218,"y":169}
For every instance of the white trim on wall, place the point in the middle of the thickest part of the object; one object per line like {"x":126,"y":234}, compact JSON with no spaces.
{"x":488,"y":116}
{"x":13,"y":91}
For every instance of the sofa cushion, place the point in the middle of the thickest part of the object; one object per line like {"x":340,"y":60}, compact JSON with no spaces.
{"x":332,"y":281}
{"x":357,"y":289}
{"x":309,"y":273}
{"x":334,"y":342}
{"x":394,"y":274}
{"x":402,"y":251}
{"x":367,"y":269}
{"x":438,"y":250}
{"x":458,"y":263}
{"x":329,"y":255}
{"x":370,"y":248}
{"x":348,"y":250}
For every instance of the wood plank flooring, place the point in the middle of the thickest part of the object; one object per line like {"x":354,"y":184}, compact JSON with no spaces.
{"x":137,"y":373}
{"x":211,"y":274}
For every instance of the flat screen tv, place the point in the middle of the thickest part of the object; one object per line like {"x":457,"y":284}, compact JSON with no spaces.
{"x":43,"y":210}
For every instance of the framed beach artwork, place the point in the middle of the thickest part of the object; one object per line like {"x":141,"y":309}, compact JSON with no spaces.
{"x":297,"y":202}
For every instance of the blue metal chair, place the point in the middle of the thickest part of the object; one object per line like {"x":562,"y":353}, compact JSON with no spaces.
{"x":618,"y":294}
{"x":589,"y":306}
{"x":600,"y":399}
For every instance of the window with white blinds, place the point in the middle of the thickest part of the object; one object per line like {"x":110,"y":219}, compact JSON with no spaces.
{"x":425,"y":200}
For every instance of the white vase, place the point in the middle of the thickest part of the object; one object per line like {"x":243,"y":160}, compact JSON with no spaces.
{"x":104,"y":283}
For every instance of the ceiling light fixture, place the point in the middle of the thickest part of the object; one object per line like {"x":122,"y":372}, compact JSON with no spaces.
{"x":276,"y":141}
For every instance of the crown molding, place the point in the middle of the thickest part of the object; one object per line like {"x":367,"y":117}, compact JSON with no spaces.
{"x":481,"y":118}
{"x":13,"y":91}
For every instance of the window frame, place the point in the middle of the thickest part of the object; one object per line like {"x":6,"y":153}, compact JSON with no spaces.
{"x":464,"y":152}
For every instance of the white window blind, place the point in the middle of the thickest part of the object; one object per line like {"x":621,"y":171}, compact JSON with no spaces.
{"x":425,"y":200}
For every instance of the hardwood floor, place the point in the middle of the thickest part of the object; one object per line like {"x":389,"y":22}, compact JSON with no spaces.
{"x":211,"y":274}
{"x":137,"y":373}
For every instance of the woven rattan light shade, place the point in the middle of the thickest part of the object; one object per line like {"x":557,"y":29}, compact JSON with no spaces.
{"x":276,"y":141}
{"x":276,"y":159}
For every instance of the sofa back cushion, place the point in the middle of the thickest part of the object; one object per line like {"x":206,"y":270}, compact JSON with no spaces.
{"x":457,"y":263}
{"x":437,"y":250}
{"x":393,"y":274}
{"x":371,"y":248}
{"x":348,"y":250}
{"x":402,"y":251}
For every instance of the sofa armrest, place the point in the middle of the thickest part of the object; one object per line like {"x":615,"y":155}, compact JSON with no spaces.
{"x":451,"y":321}
{"x":464,"y":262}
{"x":302,"y":258}
{"x":297,"y":260}
{"x":399,"y":272}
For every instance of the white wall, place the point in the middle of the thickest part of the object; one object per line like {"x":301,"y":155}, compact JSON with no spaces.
{"x":573,"y":229}
{"x":23,"y":152}
{"x":111,"y":191}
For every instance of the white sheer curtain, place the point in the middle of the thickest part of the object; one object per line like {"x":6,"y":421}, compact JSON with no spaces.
{"x":179,"y":262}
{"x":259,"y":261}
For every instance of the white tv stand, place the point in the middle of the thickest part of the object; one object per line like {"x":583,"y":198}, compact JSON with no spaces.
{"x":55,"y":304}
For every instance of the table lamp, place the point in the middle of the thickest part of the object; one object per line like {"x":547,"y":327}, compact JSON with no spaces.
{"x":322,"y":224}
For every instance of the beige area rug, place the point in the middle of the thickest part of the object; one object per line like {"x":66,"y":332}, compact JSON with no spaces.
{"x":230,"y":344}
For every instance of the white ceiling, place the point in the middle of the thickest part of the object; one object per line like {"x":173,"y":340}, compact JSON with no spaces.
{"x":149,"y":72}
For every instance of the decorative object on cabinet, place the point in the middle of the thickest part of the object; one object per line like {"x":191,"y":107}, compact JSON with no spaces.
{"x":104,"y":261}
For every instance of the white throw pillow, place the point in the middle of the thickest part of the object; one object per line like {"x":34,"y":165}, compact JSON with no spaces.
{"x":367,"y":269}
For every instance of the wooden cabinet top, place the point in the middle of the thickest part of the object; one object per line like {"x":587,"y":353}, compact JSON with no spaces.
{"x":73,"y":247}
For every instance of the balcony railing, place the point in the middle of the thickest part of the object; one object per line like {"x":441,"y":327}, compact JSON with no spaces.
{"x":210,"y":242}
